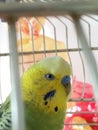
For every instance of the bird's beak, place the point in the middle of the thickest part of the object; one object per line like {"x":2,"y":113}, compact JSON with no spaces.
{"x":66,"y":83}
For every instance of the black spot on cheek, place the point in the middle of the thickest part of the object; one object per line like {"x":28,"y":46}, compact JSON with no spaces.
{"x":49,"y":95}
{"x":56,"y":109}
{"x":46,"y":103}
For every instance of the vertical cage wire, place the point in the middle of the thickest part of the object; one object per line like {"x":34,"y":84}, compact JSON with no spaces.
{"x":16,"y":99}
{"x":55,"y":40}
{"x":17,"y":110}
{"x":32,"y":39}
{"x":44,"y":45}
{"x":82,"y":62}
{"x":21,"y":50}
{"x":69,"y":51}
{"x":88,"y":55}
{"x":89,"y":31}
{"x":80,"y":40}
{"x":66,"y":35}
{"x":67,"y":47}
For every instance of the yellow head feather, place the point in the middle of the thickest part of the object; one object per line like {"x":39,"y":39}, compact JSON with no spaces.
{"x":42,"y":84}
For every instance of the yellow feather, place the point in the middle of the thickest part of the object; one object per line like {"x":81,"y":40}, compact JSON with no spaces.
{"x":35,"y":85}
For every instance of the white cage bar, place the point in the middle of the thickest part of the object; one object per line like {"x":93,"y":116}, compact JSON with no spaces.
{"x":11,"y":11}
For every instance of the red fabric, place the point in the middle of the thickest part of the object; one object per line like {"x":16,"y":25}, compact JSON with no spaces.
{"x":83,"y":106}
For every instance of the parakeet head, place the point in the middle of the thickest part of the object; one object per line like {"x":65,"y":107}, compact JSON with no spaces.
{"x":47,"y":85}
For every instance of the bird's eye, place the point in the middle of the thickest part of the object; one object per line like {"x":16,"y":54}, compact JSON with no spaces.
{"x":49,"y":76}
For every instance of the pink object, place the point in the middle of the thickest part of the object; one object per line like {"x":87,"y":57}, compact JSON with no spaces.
{"x":89,"y":107}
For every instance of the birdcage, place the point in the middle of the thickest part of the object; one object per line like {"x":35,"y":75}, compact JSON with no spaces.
{"x":33,"y":29}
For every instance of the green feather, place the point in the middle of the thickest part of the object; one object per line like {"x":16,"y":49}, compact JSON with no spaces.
{"x":39,"y":120}
{"x":44,"y":98}
{"x":5,"y":115}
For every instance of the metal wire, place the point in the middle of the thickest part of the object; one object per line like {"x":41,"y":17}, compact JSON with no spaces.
{"x":88,"y":55}
{"x":40,"y":8}
{"x":55,"y":40}
{"x":32,"y":39}
{"x":20,"y":33}
{"x":66,"y":42}
{"x":10,"y":11}
{"x":16,"y":99}
{"x":83,"y":67}
{"x":44,"y":45}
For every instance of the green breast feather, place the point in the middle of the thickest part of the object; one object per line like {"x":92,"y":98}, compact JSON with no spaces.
{"x":5,"y":115}
{"x":39,"y":120}
{"x":45,"y":89}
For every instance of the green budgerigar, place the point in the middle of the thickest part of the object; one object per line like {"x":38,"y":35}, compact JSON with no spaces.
{"x":45,"y":89}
